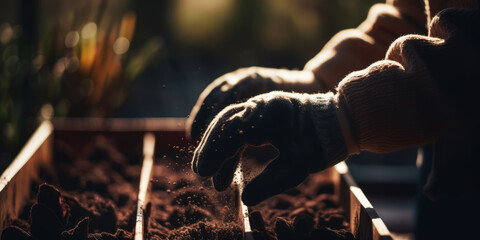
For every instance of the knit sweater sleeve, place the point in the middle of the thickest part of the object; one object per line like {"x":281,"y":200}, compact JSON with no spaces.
{"x":354,"y":49}
{"x":425,"y":86}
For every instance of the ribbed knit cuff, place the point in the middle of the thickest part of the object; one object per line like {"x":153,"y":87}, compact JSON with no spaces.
{"x":328,"y":129}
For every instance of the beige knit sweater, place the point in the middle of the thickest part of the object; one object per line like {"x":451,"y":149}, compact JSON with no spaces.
{"x":401,"y":85}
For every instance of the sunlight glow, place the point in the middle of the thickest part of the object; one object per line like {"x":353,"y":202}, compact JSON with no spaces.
{"x":341,"y":167}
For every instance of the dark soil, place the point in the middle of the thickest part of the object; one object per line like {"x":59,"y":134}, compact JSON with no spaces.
{"x":309,"y":211}
{"x":89,"y":193}
{"x":185,"y":206}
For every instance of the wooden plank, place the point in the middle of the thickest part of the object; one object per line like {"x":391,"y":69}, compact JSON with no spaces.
{"x":365,"y":224}
{"x":242,"y":208}
{"x":144,"y":192}
{"x":120,"y":124}
{"x":364,"y":220}
{"x":127,"y":132}
{"x":15,"y":181}
{"x":343,"y":181}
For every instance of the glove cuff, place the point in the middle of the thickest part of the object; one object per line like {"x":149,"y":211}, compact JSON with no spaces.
{"x":328,"y":129}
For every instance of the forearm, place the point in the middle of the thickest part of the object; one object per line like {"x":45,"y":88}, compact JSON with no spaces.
{"x":284,"y":79}
{"x":424,"y":87}
{"x":390,"y":108}
{"x":354,"y":49}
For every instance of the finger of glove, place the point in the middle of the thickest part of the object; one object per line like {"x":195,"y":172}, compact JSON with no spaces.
{"x":279,"y":176}
{"x":229,"y":131}
{"x":224,"y":176}
{"x":199,"y":153}
{"x":202,"y":113}
{"x":240,"y":84}
{"x":223,"y":100}
{"x":218,"y":99}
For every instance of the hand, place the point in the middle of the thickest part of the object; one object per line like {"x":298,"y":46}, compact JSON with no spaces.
{"x":240,"y":85}
{"x":303,"y":127}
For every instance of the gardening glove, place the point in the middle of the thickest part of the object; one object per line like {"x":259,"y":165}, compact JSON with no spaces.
{"x":240,"y":85}
{"x":303,"y":127}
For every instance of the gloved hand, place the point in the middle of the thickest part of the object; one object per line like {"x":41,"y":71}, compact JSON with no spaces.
{"x":303,"y":127}
{"x":240,"y":85}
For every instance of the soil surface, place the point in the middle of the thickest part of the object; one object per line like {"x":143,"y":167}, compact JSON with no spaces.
{"x":185,"y":206}
{"x":309,"y":211}
{"x":89,"y":193}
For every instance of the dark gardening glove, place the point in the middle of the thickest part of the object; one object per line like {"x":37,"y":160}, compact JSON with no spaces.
{"x":240,"y":85}
{"x":303,"y":127}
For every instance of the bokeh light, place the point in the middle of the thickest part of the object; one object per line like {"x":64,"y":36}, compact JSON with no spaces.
{"x":72,"y":38}
{"x":89,"y":30}
{"x":121,"y":45}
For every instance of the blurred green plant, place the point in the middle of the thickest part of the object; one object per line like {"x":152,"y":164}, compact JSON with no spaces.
{"x":66,"y":58}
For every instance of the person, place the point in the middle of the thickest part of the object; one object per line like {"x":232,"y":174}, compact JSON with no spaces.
{"x":407,"y":76}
